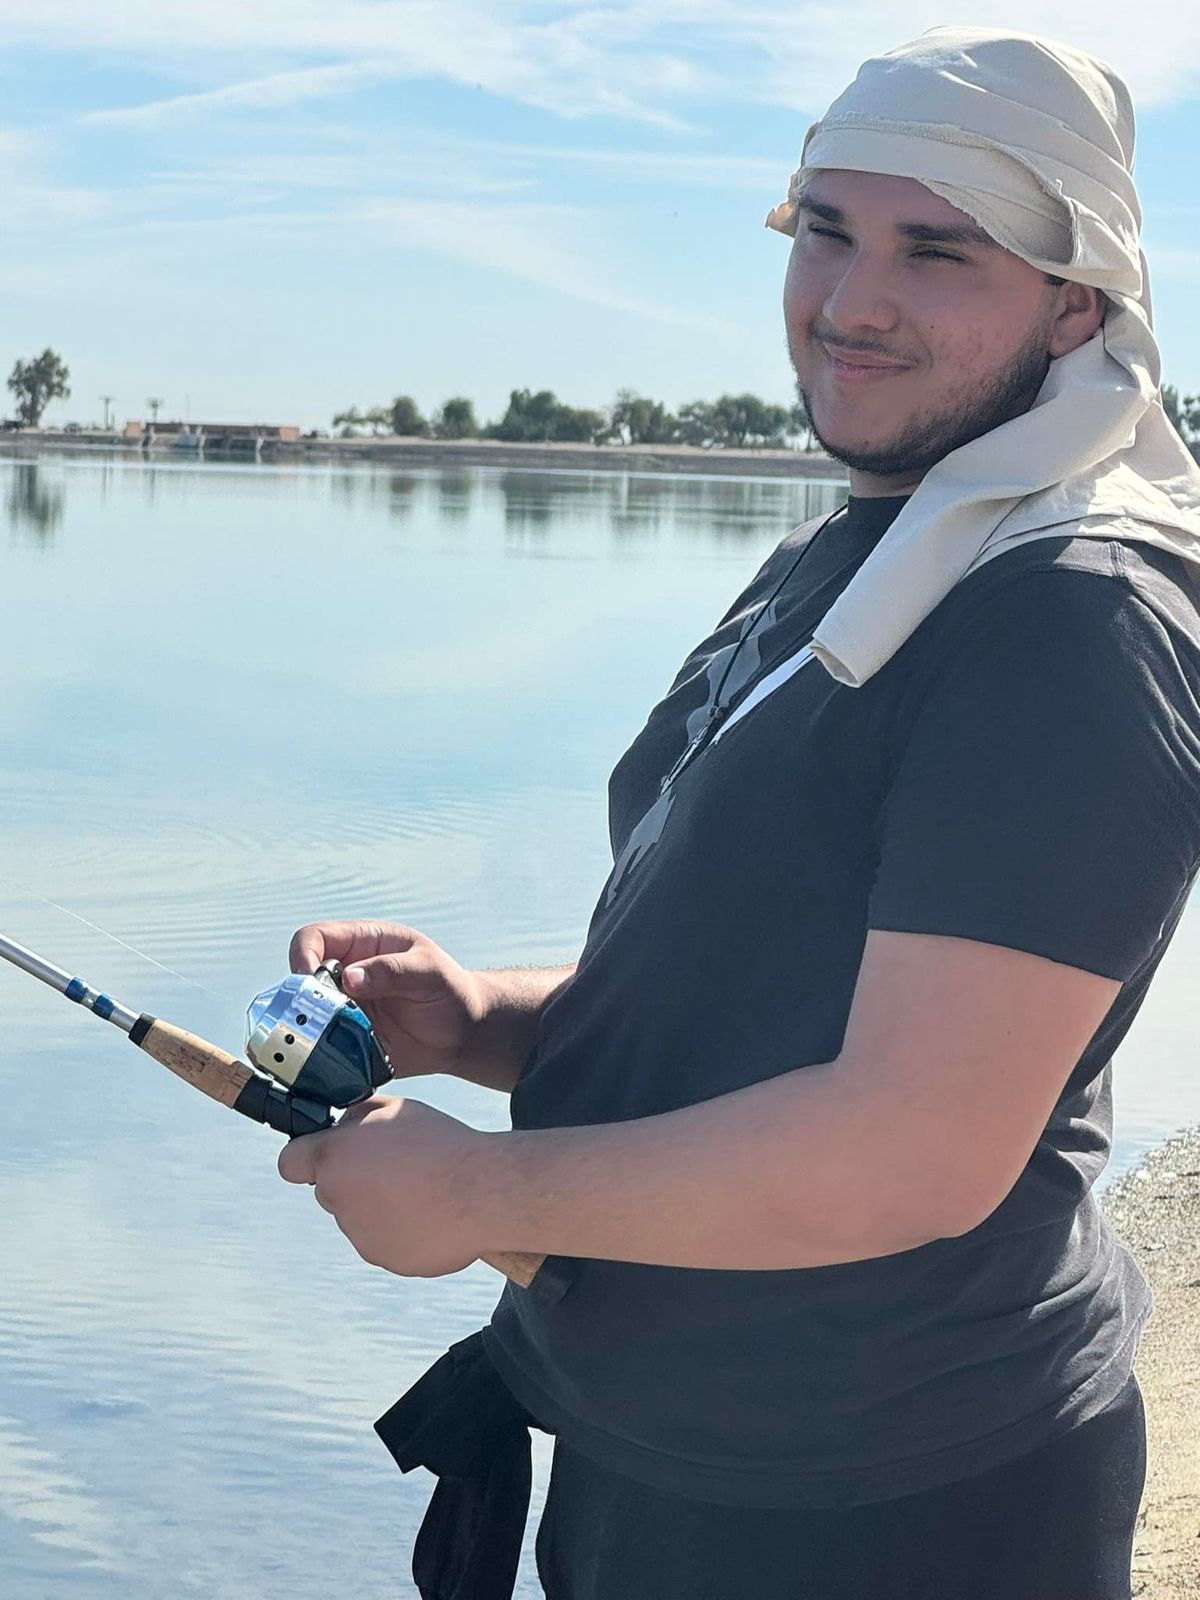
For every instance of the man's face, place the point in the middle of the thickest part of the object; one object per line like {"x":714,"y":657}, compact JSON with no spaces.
{"x":910,"y":331}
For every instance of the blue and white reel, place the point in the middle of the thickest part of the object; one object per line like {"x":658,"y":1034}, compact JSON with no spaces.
{"x":314,"y":1041}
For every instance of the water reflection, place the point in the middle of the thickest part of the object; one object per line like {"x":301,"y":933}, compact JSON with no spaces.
{"x":456,"y":495}
{"x":34,"y":504}
{"x":642,"y":506}
{"x":402,"y":491}
{"x":739,"y":509}
{"x":550,"y":512}
{"x":534,"y":500}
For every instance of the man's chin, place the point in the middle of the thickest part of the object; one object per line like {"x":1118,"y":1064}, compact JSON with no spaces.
{"x":914,"y":445}
{"x":854,"y":438}
{"x":883,"y":456}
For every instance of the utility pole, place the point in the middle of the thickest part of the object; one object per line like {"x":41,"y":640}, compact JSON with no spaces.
{"x":108,"y":400}
{"x":154,"y":407}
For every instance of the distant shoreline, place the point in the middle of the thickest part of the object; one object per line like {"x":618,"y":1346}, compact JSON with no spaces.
{"x":474,"y":453}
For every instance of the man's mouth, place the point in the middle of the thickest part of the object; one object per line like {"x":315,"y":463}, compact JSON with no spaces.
{"x":858,"y":366}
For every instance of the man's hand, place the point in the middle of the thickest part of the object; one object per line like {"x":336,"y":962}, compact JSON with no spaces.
{"x":422,"y":1004}
{"x":395,"y":1176}
{"x":431,"y":1014}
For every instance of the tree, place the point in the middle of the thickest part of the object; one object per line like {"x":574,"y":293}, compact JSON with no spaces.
{"x":541,"y":418}
{"x":800,"y":426}
{"x":35,"y":383}
{"x":529,"y":419}
{"x":349,"y":422}
{"x":733,"y":421}
{"x":406,"y":417}
{"x":1184,"y":412}
{"x":744,"y":419}
{"x":697,"y":423}
{"x":456,"y":419}
{"x":579,"y":425}
{"x":637,"y":420}
{"x":379,"y":419}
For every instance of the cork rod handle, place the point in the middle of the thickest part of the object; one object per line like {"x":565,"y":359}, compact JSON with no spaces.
{"x":206,"y":1067}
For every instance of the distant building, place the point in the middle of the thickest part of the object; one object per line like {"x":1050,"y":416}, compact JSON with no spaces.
{"x":201,"y":436}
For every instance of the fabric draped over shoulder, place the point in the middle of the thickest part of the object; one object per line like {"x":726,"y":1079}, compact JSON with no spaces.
{"x":1034,"y":141}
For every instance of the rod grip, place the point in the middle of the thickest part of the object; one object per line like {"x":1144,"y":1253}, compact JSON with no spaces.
{"x":206,"y":1067}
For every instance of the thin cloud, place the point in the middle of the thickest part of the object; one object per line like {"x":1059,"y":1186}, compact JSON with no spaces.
{"x":462,"y":166}
{"x":274,"y":93}
{"x":526,"y":242}
{"x":643,"y":60}
{"x":551,"y":65}
{"x":708,"y":171}
{"x":809,"y":51}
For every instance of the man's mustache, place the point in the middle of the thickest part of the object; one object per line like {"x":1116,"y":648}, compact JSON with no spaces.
{"x":865,"y":347}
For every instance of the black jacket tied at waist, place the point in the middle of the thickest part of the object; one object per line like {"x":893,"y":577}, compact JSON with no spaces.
{"x":461,"y":1422}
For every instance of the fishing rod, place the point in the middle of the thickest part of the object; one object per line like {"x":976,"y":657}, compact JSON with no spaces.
{"x":313,"y":1051}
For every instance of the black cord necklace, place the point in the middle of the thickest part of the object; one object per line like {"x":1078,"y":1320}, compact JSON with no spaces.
{"x":718,"y":711}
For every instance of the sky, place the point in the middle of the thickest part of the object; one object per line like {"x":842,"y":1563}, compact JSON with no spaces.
{"x":271,"y":210}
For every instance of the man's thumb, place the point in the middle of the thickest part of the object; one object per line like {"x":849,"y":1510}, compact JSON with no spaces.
{"x":380,"y":977}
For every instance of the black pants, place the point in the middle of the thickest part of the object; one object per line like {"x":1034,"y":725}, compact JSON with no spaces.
{"x":1055,"y":1524}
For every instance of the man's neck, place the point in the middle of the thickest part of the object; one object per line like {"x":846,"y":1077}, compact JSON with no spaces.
{"x":870,"y":486}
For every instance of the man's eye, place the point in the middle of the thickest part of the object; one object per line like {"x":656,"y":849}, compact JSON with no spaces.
{"x":828,"y":233}
{"x":937,"y":255}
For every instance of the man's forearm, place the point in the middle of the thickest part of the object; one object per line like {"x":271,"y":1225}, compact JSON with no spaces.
{"x":803,"y":1170}
{"x":517,"y":997}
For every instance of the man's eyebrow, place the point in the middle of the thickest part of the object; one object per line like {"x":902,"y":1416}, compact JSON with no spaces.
{"x":946,"y":233}
{"x":921,"y":232}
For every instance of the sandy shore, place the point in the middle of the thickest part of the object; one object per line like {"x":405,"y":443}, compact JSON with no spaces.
{"x":1155,"y":1210}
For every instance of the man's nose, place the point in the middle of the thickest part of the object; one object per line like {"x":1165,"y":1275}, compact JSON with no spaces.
{"x":862,"y":296}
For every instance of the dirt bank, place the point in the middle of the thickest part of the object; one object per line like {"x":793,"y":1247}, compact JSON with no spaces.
{"x":1156,"y":1211}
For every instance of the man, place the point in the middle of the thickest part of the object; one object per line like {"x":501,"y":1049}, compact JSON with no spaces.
{"x":810,"y":1131}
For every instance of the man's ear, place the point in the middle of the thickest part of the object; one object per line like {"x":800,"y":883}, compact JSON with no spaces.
{"x":1080,"y":311}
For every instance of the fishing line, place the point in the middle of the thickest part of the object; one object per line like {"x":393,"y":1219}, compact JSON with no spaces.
{"x":95,"y":926}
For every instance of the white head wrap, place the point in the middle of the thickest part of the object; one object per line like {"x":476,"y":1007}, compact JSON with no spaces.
{"x":1034,"y":141}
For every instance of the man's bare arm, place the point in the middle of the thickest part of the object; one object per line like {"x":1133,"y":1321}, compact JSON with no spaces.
{"x":516,"y":998}
{"x":954,"y":1056}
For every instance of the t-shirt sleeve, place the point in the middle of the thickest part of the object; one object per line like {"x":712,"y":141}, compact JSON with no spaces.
{"x":1044,"y":793}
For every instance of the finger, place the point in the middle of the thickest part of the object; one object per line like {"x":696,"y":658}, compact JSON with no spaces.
{"x":408,"y":974}
{"x":322,"y":1202}
{"x":307,"y":949}
{"x":344,"y":941}
{"x":299,"y":1159}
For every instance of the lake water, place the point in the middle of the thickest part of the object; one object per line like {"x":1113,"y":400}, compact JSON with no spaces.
{"x":238,"y":698}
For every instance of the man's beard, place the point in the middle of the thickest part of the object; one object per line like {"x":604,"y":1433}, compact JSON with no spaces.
{"x":930,"y":439}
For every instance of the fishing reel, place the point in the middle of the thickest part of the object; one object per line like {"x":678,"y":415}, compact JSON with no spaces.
{"x":317,"y":1045}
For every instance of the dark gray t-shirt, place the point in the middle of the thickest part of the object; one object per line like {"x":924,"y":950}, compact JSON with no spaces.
{"x":1025,"y":771}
